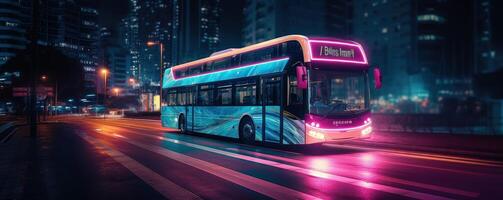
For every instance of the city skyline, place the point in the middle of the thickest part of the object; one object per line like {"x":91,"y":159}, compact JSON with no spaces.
{"x":421,"y":48}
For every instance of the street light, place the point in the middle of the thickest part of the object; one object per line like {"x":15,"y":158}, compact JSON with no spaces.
{"x":43,"y":78}
{"x":104,"y":72}
{"x":161,"y":67}
{"x":132,"y":81}
{"x":116,"y":91}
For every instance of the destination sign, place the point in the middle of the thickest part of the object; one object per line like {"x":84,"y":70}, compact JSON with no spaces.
{"x":337,"y":52}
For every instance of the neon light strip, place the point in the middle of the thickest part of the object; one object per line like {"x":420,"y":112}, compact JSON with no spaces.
{"x":232,"y":68}
{"x":340,"y":129}
{"x":338,"y":60}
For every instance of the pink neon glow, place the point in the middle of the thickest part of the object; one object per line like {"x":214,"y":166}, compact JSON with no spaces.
{"x":367,"y":160}
{"x":360,"y":48}
{"x":243,"y":66}
{"x":340,"y":129}
{"x":320,"y":164}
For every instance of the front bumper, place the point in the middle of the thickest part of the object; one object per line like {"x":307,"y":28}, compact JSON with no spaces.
{"x":319,"y":135}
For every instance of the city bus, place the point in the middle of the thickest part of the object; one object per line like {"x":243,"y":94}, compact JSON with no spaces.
{"x":289,"y":90}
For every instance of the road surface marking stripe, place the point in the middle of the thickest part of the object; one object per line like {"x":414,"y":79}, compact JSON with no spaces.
{"x":258,"y":185}
{"x":309,"y":172}
{"x":436,"y":157}
{"x":323,"y":174}
{"x":294,"y":153}
{"x":424,"y":156}
{"x":162,"y":185}
{"x":318,"y":173}
{"x":382,"y":177}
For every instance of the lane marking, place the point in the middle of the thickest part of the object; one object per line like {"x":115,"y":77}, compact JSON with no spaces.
{"x":320,"y":173}
{"x":309,"y":172}
{"x":162,"y":185}
{"x":382,"y":177}
{"x":8,"y":136}
{"x":395,"y":163}
{"x":294,"y":153}
{"x":425,"y":156}
{"x":437,"y":157}
{"x":258,"y":185}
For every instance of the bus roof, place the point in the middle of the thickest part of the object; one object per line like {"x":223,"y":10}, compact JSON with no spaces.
{"x":303,"y":41}
{"x":306,"y":44}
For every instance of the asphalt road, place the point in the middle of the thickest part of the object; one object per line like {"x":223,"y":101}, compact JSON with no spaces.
{"x":166,"y":164}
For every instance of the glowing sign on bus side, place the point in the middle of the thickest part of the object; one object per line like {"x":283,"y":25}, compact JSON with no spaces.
{"x":335,"y":51}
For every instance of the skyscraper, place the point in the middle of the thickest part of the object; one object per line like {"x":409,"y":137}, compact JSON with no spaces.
{"x":187,"y":29}
{"x":154,"y":26}
{"x":89,"y":45}
{"x":12,"y":31}
{"x":196,"y":29}
{"x":485,"y":52}
{"x":423,"y":47}
{"x":265,"y":19}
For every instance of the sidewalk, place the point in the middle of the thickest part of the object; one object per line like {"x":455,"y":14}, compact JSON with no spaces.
{"x":60,"y":165}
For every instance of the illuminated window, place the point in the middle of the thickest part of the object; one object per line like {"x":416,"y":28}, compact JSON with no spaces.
{"x":429,"y":37}
{"x":430,"y":17}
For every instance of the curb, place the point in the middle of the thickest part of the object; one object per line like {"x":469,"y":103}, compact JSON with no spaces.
{"x":5,"y":128}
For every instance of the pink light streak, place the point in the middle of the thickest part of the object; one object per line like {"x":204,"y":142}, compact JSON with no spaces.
{"x":340,"y":129}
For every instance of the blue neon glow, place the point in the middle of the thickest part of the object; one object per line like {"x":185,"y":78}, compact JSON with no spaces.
{"x":268,"y":67}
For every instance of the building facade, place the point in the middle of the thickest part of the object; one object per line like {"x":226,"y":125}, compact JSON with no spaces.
{"x":89,"y":45}
{"x":264,"y":20}
{"x":424,"y":48}
{"x":12,"y":30}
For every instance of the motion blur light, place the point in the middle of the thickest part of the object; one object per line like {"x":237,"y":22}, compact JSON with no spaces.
{"x":367,"y":130}
{"x":316,"y":134}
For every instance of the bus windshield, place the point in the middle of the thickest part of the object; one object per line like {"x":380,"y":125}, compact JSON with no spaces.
{"x":338,"y":92}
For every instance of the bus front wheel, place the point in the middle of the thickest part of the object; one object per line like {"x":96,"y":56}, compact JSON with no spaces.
{"x":247,"y":131}
{"x":181,"y":124}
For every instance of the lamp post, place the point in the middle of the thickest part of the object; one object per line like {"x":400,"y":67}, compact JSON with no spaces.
{"x":161,"y":67}
{"x":104,"y":72}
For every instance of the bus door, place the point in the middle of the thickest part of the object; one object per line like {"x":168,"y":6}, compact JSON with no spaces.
{"x":189,"y":108}
{"x":271,"y":109}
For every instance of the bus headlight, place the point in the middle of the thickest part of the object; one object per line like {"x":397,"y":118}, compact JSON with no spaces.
{"x":316,"y":134}
{"x":367,"y":131}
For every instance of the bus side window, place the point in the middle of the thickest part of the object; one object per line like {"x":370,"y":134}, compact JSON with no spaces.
{"x":164,"y":97}
{"x":224,"y":95}
{"x":205,"y":95}
{"x":181,"y":97}
{"x":172,"y":97}
{"x":272,"y":91}
{"x":246,"y":93}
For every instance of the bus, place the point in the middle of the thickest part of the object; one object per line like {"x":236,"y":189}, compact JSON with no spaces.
{"x":289,"y":90}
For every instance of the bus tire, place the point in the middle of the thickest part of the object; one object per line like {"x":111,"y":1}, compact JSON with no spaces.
{"x":247,"y":131}
{"x":181,"y":124}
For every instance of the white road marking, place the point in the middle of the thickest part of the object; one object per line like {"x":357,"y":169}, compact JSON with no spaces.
{"x":258,"y":185}
{"x":162,"y":185}
{"x":310,"y":172}
{"x":438,"y":157}
{"x":382,"y":177}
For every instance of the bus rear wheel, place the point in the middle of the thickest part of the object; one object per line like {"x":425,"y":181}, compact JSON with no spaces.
{"x":181,"y":124}
{"x":247,"y":131}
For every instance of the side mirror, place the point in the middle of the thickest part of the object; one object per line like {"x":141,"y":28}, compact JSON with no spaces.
{"x":301,"y":77}
{"x":377,"y":78}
